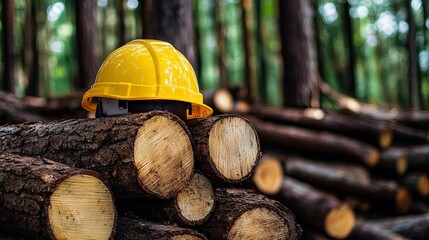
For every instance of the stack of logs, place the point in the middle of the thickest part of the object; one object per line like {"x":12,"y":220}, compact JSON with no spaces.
{"x":345,"y":177}
{"x":133,"y":177}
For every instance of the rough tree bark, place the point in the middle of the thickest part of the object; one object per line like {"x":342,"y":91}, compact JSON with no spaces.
{"x":244,"y":215}
{"x":43,"y":199}
{"x":299,"y":53}
{"x":171,"y":21}
{"x":192,"y":206}
{"x":139,"y":154}
{"x":317,"y":209}
{"x":226,"y":147}
{"x":132,"y":228}
{"x":86,"y":43}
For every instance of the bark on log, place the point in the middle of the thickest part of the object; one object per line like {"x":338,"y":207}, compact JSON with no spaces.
{"x":407,"y":135}
{"x":414,"y":226}
{"x":268,"y":175}
{"x":13,"y":110}
{"x":314,"y":118}
{"x":139,"y":154}
{"x":327,"y":177}
{"x":417,"y":183}
{"x":240,"y":214}
{"x":192,"y":206}
{"x":316,"y":142}
{"x":317,"y":209}
{"x":417,"y":156}
{"x":132,"y":228}
{"x":392,"y":165}
{"x":226,"y":147}
{"x":364,"y":230}
{"x":220,"y":100}
{"x":42,"y":199}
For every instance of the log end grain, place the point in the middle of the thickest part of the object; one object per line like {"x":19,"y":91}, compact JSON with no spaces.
{"x":401,"y":165}
{"x":163,"y":156}
{"x":403,"y":201}
{"x":268,"y":175}
{"x":259,"y":223}
{"x":234,"y":148}
{"x":82,"y":207}
{"x":339,"y":221}
{"x":423,"y":185}
{"x":372,"y":157}
{"x":223,"y":100}
{"x":385,"y":138}
{"x":196,"y":202}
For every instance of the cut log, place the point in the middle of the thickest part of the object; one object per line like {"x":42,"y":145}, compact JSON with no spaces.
{"x":413,"y":226}
{"x":13,"y":110}
{"x":316,"y":142}
{"x":220,"y":100}
{"x":244,"y":215}
{"x":417,"y":183}
{"x":268,"y":175}
{"x":387,"y":192}
{"x":42,"y":199}
{"x":317,"y":209}
{"x":226,"y":147}
{"x":363,"y":230}
{"x":192,"y":206}
{"x":369,"y":131}
{"x":407,"y":135}
{"x":392,"y":164}
{"x":417,"y":156}
{"x":139,"y":154}
{"x":132,"y":228}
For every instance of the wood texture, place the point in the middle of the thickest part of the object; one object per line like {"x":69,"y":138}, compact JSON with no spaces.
{"x":192,"y":206}
{"x":244,"y":215}
{"x":226,"y":147}
{"x":42,"y":199}
{"x":139,"y":154}
{"x":268,"y":175}
{"x":328,"y":177}
{"x":316,"y":142}
{"x":314,"y":118}
{"x":317,"y":209}
{"x":132,"y":228}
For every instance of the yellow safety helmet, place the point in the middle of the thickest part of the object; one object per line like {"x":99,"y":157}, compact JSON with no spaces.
{"x":147,"y":70}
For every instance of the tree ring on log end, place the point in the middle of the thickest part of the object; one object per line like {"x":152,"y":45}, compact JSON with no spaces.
{"x":423,"y":185}
{"x":163,"y":156}
{"x":259,"y":223}
{"x":196,"y":201}
{"x":339,"y":222}
{"x":386,"y":138}
{"x":268,"y":176}
{"x":401,"y":165}
{"x":234,"y":148}
{"x":185,"y":237}
{"x":81,"y":207}
{"x":223,"y":100}
{"x":403,"y":200}
{"x":372,"y":158}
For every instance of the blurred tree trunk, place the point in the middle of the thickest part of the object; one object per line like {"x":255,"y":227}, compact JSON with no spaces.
{"x":86,"y":40}
{"x":350,"y":81}
{"x":299,"y":54}
{"x":413,"y":78}
{"x":221,"y":39}
{"x":171,"y":21}
{"x":121,"y":20}
{"x":8,"y":82}
{"x":31,"y":52}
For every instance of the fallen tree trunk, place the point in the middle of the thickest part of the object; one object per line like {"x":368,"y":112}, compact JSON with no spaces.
{"x":42,"y":199}
{"x":13,"y":110}
{"x":313,"y":118}
{"x":192,"y":206}
{"x":317,"y":209}
{"x":315,"y":142}
{"x":406,"y":135}
{"x":244,"y":215}
{"x":139,"y":154}
{"x":226,"y":147}
{"x":364,"y":230}
{"x":330,"y":178}
{"x":414,"y":227}
{"x":417,"y":156}
{"x":132,"y":228}
{"x":417,"y":183}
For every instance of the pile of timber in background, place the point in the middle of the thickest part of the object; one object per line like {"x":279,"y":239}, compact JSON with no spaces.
{"x":147,"y":160}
